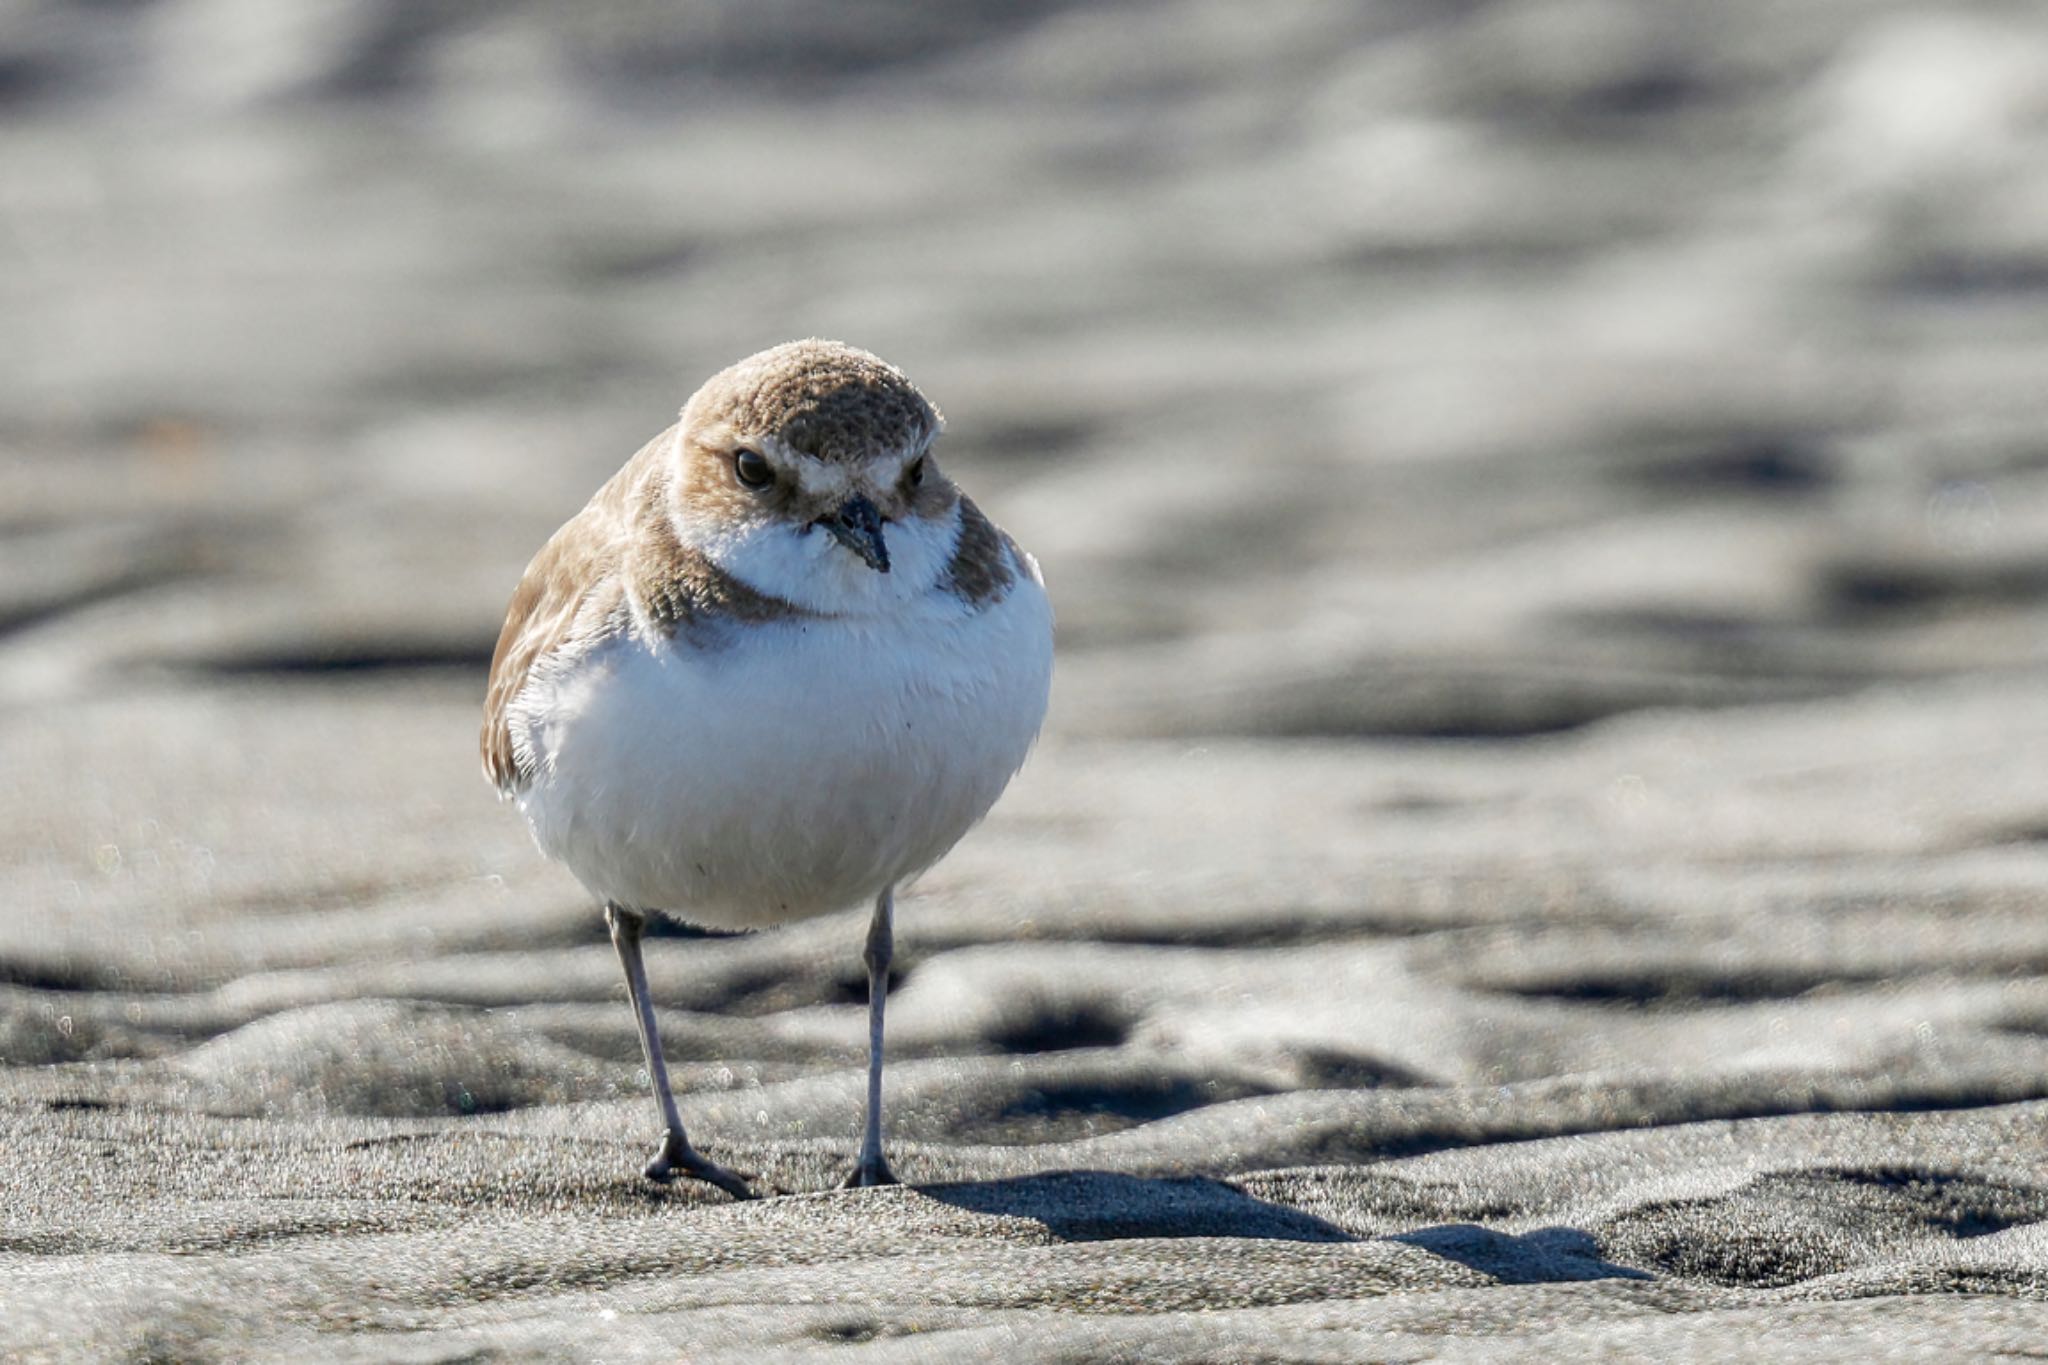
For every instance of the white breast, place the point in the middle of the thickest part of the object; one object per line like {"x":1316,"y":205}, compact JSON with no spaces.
{"x":786,"y":769}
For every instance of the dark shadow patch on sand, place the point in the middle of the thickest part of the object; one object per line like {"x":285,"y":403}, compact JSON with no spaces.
{"x":330,"y":658}
{"x":2023,"y":1024}
{"x":1949,"y":275}
{"x":2032,"y":831}
{"x":1325,"y":1068}
{"x":1676,"y":987}
{"x":24,"y":81}
{"x":1558,"y":1255}
{"x":1098,"y":1206}
{"x":851,"y":1331}
{"x":1878,"y":587}
{"x":52,"y":976}
{"x":798,"y":54}
{"x":1061,"y":1027}
{"x":1775,"y":465}
{"x":850,"y":983}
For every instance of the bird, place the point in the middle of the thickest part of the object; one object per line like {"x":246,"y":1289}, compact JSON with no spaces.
{"x":777,"y":667}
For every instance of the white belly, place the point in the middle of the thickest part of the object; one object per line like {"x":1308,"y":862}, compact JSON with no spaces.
{"x":791,"y":769}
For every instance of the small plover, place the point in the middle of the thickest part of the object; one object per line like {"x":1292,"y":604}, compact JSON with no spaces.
{"x":779,"y":665}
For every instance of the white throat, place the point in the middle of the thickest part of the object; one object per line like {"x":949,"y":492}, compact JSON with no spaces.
{"x":808,"y":567}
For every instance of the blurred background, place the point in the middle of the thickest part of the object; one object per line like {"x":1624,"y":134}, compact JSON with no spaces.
{"x":1418,"y":368}
{"x":1549,"y":494}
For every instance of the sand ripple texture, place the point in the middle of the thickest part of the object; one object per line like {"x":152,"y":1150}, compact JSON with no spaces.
{"x":1539,"y":847}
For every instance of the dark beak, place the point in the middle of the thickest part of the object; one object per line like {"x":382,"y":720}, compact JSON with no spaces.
{"x":858,"y":526}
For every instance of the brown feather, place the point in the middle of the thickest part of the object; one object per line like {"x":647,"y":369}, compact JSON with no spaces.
{"x":825,"y":398}
{"x":985,"y":560}
{"x":614,"y":565}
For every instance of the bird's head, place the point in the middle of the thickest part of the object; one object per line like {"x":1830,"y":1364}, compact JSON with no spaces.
{"x":806,"y":472}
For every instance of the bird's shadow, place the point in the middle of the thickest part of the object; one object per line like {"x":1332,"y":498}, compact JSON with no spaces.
{"x":1558,"y":1255}
{"x":1098,"y":1206}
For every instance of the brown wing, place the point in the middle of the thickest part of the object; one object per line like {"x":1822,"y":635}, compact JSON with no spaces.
{"x":571,"y":589}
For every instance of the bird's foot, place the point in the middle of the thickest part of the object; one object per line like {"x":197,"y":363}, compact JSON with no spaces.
{"x":677,"y":1158}
{"x":870,"y":1170}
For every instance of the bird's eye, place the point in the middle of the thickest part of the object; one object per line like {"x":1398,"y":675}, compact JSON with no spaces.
{"x":751,"y":468}
{"x":915,"y":474}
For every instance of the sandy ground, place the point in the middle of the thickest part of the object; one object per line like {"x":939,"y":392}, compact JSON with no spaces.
{"x":1539,"y":846}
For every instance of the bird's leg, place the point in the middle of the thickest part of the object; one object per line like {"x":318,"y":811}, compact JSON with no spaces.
{"x":676,"y":1157}
{"x":873,"y":1168}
